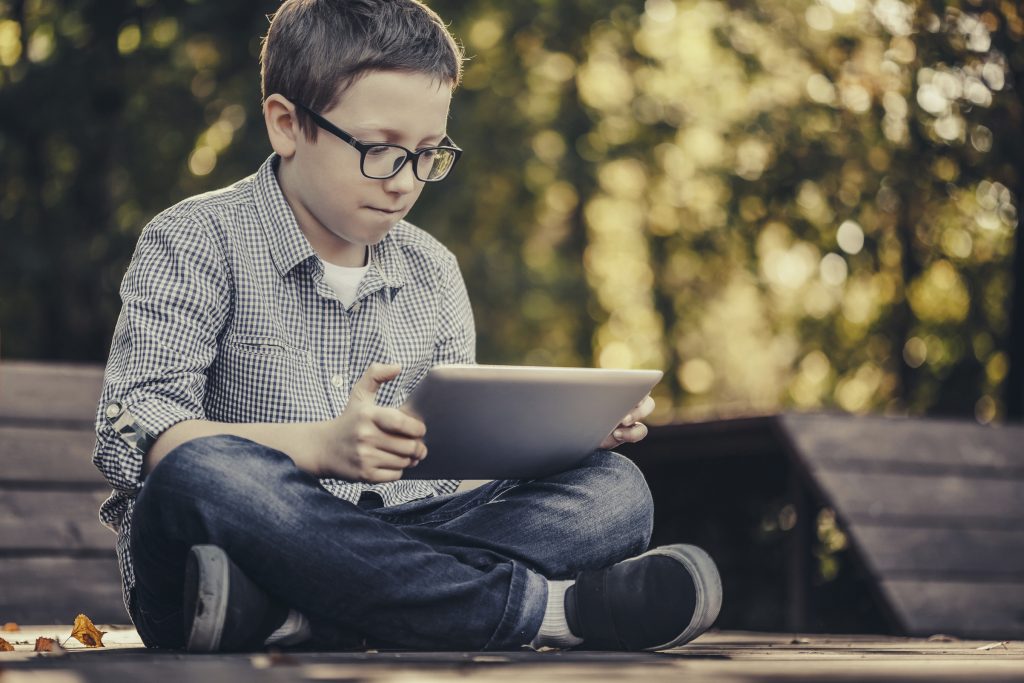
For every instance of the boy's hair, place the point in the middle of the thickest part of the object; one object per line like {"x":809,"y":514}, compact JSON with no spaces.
{"x":315,"y":49}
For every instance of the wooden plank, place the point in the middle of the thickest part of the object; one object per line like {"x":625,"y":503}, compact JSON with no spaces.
{"x":979,"y":553}
{"x":115,"y":637}
{"x":53,"y":521}
{"x":950,"y":500}
{"x":682,"y":665}
{"x":48,"y":454}
{"x":55,"y":504}
{"x":977,"y":610}
{"x":823,"y":439}
{"x":55,"y":590}
{"x":715,"y":656}
{"x":53,"y":536}
{"x":741,"y":437}
{"x":52,"y":392}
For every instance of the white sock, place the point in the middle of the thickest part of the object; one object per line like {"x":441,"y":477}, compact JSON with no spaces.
{"x":293,"y":631}
{"x":554,"y":630}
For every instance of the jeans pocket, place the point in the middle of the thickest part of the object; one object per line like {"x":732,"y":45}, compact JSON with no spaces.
{"x":513,"y":484}
{"x":447,"y":507}
{"x":486,"y":494}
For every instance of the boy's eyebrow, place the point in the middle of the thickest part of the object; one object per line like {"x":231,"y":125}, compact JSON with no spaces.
{"x":390,"y":134}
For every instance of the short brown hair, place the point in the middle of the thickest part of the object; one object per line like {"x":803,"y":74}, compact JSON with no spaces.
{"x":315,"y":49}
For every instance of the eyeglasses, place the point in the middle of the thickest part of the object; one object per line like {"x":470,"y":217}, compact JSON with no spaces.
{"x":381,"y":160}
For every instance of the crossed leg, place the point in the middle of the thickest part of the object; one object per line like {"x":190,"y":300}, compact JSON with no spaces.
{"x":465,"y":571}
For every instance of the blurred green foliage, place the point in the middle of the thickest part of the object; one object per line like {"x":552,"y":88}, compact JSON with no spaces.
{"x":803,"y":204}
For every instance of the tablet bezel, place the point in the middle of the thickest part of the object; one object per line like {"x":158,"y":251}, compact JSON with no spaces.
{"x":519,"y":422}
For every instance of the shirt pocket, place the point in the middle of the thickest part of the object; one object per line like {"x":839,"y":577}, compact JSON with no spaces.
{"x":262,"y":378}
{"x":264,"y":346}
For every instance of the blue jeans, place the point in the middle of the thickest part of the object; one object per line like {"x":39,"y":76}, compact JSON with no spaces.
{"x":462,"y":571}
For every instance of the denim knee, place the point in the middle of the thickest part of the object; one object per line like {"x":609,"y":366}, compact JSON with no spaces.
{"x":218,"y":468}
{"x":621,"y":492}
{"x":201,"y":458}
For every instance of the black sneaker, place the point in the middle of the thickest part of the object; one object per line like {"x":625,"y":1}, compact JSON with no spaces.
{"x":224,"y":610}
{"x":659,"y":600}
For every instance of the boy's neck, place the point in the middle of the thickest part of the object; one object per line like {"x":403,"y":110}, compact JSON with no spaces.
{"x":346,"y":261}
{"x":347,"y":255}
{"x":326,"y":244}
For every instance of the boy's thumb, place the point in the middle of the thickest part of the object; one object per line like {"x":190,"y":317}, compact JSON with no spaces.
{"x":375,"y":375}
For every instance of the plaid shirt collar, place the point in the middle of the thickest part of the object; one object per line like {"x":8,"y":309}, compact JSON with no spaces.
{"x":289,"y":246}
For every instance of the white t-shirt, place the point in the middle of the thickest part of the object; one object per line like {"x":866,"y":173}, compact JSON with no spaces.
{"x":344,"y":281}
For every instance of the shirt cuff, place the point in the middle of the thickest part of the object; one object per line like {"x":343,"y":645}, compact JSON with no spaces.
{"x":134,"y":426}
{"x":150,"y":417}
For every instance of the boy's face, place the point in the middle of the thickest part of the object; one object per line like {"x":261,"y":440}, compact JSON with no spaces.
{"x":338,"y":208}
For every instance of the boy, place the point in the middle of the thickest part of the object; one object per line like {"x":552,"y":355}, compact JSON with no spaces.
{"x":249,"y":419}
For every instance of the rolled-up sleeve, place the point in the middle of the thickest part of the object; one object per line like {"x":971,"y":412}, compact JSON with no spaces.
{"x":456,"y":336}
{"x":176,"y":297}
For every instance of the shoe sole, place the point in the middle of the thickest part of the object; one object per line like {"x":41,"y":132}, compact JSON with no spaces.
{"x":707,"y":581}
{"x":212,"y":590}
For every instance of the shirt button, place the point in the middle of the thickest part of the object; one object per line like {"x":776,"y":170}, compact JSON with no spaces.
{"x":113,"y":410}
{"x":355,"y":307}
{"x":337,"y":381}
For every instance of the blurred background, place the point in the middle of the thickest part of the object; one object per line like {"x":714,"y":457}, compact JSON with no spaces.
{"x":787,"y":205}
{"x":805,"y":204}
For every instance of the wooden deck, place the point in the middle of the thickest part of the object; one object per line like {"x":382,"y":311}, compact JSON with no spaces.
{"x":720,"y":656}
{"x":56,"y":561}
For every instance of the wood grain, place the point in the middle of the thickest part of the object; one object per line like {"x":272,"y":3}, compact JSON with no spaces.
{"x":49,"y":454}
{"x":53,"y":590}
{"x":968,"y":609}
{"x":50,"y":392}
{"x":52,"y":521}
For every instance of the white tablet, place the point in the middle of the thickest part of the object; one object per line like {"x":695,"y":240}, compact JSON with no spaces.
{"x":518,"y":422}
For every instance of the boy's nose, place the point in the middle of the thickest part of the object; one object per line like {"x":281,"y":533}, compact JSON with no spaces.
{"x":402,"y":182}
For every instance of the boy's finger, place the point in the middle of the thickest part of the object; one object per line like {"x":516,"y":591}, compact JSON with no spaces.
{"x":632,"y":434}
{"x":375,"y":375}
{"x":396,"y":422}
{"x":639,"y":412}
{"x":380,"y":476}
{"x":644,"y":408}
{"x":409,"y":448}
{"x":387,"y":461}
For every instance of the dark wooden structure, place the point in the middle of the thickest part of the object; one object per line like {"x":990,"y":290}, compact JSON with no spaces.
{"x":932,"y":510}
{"x":56,"y":560}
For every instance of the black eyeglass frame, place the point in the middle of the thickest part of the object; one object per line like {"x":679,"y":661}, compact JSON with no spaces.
{"x":364,"y":147}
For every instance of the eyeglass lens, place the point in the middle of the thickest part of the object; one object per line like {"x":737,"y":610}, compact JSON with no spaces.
{"x":384,"y":161}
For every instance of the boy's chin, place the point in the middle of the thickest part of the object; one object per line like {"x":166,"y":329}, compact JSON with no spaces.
{"x":372,"y":234}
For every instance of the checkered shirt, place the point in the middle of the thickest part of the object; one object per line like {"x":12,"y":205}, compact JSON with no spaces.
{"x":226,"y":317}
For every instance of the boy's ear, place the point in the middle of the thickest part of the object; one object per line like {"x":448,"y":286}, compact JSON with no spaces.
{"x":282,"y":125}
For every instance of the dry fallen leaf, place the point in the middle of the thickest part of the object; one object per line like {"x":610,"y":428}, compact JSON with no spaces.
{"x":44,"y":644}
{"x":86,"y":632}
{"x":11,"y":626}
{"x":5,"y":646}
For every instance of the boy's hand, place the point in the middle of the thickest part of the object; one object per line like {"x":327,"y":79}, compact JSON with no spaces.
{"x":368,"y":442}
{"x":630,"y":430}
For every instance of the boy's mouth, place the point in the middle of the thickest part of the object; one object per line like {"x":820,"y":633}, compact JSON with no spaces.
{"x":386,"y":212}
